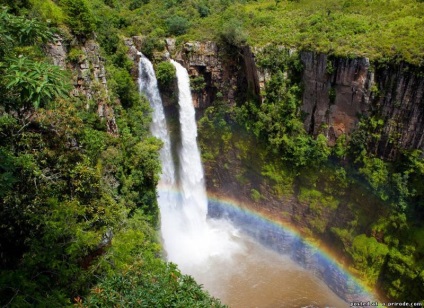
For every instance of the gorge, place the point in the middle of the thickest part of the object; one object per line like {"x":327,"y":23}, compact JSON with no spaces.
{"x":231,"y":163}
{"x":208,"y":246}
{"x":305,"y":186}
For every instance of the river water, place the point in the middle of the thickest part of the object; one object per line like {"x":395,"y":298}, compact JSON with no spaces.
{"x":259,"y":277}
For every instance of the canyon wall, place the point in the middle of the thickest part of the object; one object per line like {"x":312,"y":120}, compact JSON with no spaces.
{"x":337,"y":92}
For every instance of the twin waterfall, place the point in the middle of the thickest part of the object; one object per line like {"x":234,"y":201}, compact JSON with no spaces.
{"x":190,"y":239}
{"x":230,"y":265}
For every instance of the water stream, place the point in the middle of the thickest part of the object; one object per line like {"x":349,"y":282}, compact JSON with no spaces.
{"x":231,"y":265}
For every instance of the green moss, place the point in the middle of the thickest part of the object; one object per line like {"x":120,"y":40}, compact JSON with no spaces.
{"x":255,"y":195}
{"x":368,"y":257}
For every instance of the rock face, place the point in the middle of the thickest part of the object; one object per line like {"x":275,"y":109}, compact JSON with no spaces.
{"x":89,"y":77}
{"x":131,"y":43}
{"x":57,"y":51}
{"x":335,"y":93}
{"x":91,"y":82}
{"x":401,"y":106}
{"x":227,"y":78}
{"x":338,"y":91}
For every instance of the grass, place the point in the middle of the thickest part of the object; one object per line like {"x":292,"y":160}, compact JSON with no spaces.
{"x":378,"y":29}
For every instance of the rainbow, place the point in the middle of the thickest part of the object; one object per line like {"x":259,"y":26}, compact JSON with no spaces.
{"x":284,"y":238}
{"x":352,"y":291}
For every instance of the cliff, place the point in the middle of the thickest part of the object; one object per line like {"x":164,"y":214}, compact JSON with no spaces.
{"x":337,"y":92}
{"x":232,"y":79}
{"x":89,"y":76}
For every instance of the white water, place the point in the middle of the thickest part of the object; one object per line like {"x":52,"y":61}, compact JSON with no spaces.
{"x":149,"y":86}
{"x":191,"y":240}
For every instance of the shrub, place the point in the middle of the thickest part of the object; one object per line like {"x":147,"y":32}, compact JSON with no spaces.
{"x":48,"y":10}
{"x":136,"y":4}
{"x":79,"y":17}
{"x":75,"y":55}
{"x":165,"y":73}
{"x":33,"y":84}
{"x":198,"y":84}
{"x":177,"y":25}
{"x":232,"y":33}
{"x":152,"y":43}
{"x":203,"y":10}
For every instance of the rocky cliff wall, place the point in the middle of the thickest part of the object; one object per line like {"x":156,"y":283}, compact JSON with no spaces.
{"x":339,"y":91}
{"x":229,"y":78}
{"x":335,"y":93}
{"x":89,"y":77}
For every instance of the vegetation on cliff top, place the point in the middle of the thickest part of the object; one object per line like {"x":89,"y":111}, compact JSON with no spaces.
{"x":381,"y":29}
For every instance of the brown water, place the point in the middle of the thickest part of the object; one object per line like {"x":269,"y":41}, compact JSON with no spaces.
{"x":259,"y":277}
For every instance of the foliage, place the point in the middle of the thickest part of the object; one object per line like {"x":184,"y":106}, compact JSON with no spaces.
{"x":375,"y":171}
{"x":140,"y":278}
{"x":177,"y":25}
{"x":150,"y":44}
{"x":149,"y":283}
{"x":376,"y":29}
{"x":165,"y":74}
{"x":369,"y":256}
{"x":277,"y":119}
{"x":19,"y":30}
{"x":197,"y":83}
{"x":136,"y":4}
{"x":30,"y":83}
{"x":232,"y":33}
{"x":123,"y":86}
{"x":79,"y":17}
{"x":16,"y":5}
{"x":76,"y":55}
{"x":49,"y":11}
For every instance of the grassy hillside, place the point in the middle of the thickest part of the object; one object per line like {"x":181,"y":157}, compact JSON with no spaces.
{"x":378,"y":29}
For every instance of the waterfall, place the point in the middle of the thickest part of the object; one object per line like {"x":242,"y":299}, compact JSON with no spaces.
{"x":209,"y":249}
{"x":191,"y":171}
{"x":149,"y":86}
{"x":194,"y":242}
{"x":191,"y":240}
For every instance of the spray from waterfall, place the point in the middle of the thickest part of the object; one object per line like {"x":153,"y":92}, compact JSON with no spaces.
{"x":193,"y":241}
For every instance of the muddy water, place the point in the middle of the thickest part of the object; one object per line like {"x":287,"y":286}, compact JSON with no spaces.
{"x":259,"y":277}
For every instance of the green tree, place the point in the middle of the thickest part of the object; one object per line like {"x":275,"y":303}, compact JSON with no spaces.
{"x":233,"y":34}
{"x":16,"y":30}
{"x":79,"y":17}
{"x":368,"y":256}
{"x":177,"y":25}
